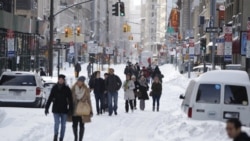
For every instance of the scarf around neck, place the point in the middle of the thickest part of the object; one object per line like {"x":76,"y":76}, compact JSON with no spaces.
{"x":143,"y":83}
{"x":79,"y":92}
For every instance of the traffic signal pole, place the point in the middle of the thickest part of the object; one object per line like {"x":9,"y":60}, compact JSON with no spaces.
{"x":51,"y":32}
{"x":212,"y":35}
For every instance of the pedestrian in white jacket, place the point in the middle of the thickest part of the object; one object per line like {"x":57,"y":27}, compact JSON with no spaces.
{"x":129,"y":95}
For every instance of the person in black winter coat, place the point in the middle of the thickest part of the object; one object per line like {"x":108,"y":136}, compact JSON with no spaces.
{"x":143,"y":92}
{"x":113,"y":83}
{"x":136,"y":89}
{"x":156,"y":92}
{"x":98,"y":85}
{"x":157,"y":73}
{"x":78,"y":68}
{"x":234,"y":130}
{"x":62,"y":100}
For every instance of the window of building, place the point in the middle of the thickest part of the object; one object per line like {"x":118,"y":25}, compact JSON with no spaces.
{"x":235,"y":95}
{"x":153,"y":14}
{"x":209,"y":93}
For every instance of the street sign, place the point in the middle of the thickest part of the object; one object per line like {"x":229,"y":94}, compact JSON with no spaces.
{"x":11,"y":47}
{"x":109,"y":50}
{"x":220,"y":40}
{"x":214,"y":29}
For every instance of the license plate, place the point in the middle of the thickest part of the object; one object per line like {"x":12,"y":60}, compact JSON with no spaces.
{"x":17,"y":93}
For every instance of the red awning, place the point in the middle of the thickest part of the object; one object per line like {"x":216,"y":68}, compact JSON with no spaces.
{"x":236,"y":46}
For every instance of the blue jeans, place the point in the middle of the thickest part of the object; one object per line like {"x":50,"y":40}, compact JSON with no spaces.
{"x":156,"y":98}
{"x":112,"y":96}
{"x":60,"y":117}
{"x":99,"y":102}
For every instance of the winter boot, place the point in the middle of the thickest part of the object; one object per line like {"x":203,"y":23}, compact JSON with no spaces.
{"x":157,"y":109}
{"x":75,"y":133}
{"x":153,"y":108}
{"x":81,"y":133}
{"x":61,"y":139}
{"x":55,"y":137}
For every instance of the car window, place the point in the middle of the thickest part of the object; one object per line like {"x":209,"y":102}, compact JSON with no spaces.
{"x":18,"y":80}
{"x":208,"y":93}
{"x":236,"y":95}
{"x":189,"y":90}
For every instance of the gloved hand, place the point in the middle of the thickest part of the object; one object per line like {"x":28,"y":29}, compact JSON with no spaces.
{"x":46,"y":112}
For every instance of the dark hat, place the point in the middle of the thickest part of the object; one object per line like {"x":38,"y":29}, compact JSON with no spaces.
{"x":106,"y":74}
{"x":61,"y":76}
{"x":81,"y":78}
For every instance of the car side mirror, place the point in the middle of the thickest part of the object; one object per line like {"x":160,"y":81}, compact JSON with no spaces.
{"x":182,"y":96}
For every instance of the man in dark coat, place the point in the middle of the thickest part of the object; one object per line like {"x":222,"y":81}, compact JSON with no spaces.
{"x":113,"y":84}
{"x":42,"y":72}
{"x":234,"y":130}
{"x":89,"y":69}
{"x":77,"y":69}
{"x":61,"y":97}
{"x":98,"y":85}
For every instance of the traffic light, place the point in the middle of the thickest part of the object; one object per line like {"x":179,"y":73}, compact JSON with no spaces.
{"x":115,"y":8}
{"x":125,"y":28}
{"x":66,"y":32}
{"x":129,"y":28}
{"x":122,"y":9}
{"x":78,"y":31}
{"x":203,"y":43}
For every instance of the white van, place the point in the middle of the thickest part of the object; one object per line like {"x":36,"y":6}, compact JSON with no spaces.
{"x":218,"y":95}
{"x":21,"y":88}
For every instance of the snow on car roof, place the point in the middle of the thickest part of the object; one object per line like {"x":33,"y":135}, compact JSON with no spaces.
{"x":230,"y":76}
{"x":18,"y":73}
{"x":235,"y":65}
{"x":48,"y":79}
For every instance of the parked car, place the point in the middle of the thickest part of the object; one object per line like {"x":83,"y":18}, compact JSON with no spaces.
{"x":48,"y":83}
{"x":218,"y":95}
{"x":21,"y":89}
{"x":198,"y":70}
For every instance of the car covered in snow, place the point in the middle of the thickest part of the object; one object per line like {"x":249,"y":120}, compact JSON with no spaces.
{"x":48,"y":83}
{"x":19,"y":88}
{"x":198,"y":70}
{"x":218,"y":95}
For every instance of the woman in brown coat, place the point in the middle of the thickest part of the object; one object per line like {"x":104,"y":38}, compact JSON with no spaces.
{"x":80,"y":92}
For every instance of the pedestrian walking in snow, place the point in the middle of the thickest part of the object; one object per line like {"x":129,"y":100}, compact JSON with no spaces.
{"x":61,"y":97}
{"x":89,"y":70}
{"x":77,"y":69}
{"x":156,"y":92}
{"x":42,"y":72}
{"x":129,"y":95}
{"x":143,"y":88}
{"x":113,"y":84}
{"x":136,"y":90}
{"x":98,"y":86}
{"x":105,"y":97}
{"x":234,"y":131}
{"x":80,"y":94}
{"x":157,"y":73}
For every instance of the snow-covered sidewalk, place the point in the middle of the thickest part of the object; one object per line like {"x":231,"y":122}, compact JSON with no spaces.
{"x":170,"y":124}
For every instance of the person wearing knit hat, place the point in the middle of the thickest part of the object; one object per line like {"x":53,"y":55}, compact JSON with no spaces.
{"x":62,"y":100}
{"x":81,"y":78}
{"x":80,"y":93}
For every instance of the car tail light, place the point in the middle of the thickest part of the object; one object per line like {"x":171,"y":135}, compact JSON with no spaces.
{"x":190,"y":112}
{"x":38,"y":91}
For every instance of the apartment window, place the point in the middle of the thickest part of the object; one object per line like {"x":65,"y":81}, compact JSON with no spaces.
{"x":153,"y":14}
{"x":153,"y":7}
